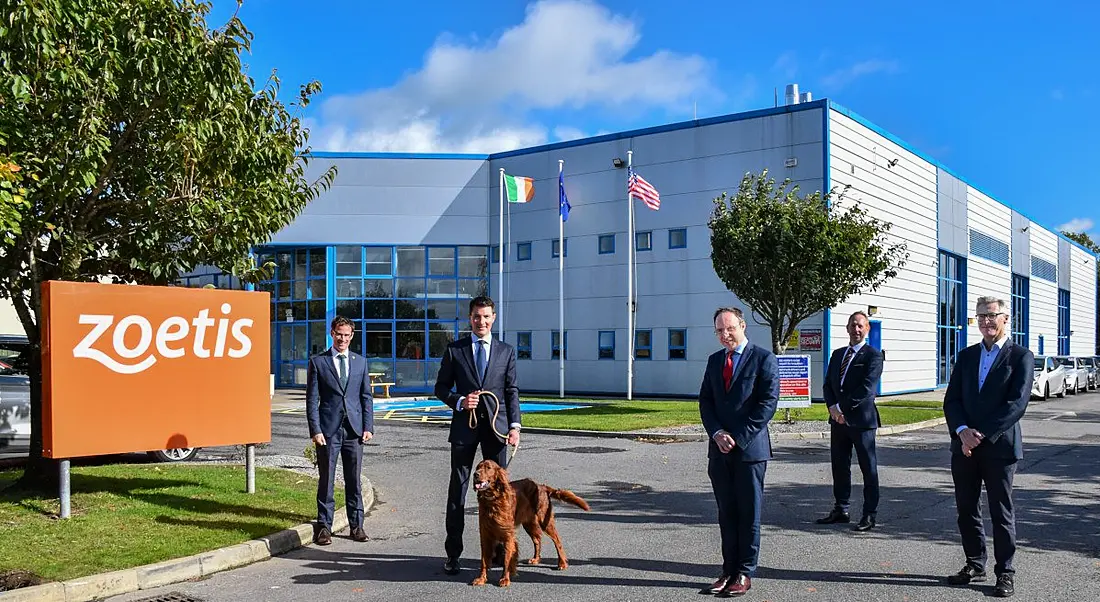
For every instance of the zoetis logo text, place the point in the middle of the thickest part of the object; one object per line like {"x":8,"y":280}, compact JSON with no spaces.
{"x":166,"y":341}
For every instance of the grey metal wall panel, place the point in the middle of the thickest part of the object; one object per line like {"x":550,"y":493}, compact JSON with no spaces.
{"x":1064,"y":256}
{"x":952,"y":221}
{"x":1021,"y":245}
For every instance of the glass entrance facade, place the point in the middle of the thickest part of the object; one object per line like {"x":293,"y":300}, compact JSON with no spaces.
{"x":407,"y":302}
{"x":950,"y":330}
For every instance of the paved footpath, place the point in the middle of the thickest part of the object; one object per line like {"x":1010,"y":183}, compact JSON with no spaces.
{"x":651,"y":534}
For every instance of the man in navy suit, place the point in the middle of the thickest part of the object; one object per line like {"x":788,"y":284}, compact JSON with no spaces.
{"x":340,"y":412}
{"x":986,"y":397}
{"x":471,"y":365}
{"x":738,"y":397}
{"x":851,"y":385}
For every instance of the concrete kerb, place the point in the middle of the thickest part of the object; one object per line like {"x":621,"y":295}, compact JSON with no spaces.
{"x":114,"y":583}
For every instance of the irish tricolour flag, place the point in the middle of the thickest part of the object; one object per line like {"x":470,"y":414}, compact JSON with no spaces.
{"x":520,"y":189}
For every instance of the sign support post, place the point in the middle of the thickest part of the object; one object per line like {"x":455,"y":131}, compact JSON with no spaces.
{"x":250,"y":468}
{"x":66,"y":490}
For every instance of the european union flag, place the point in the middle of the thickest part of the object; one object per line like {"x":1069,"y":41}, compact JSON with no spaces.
{"x":563,"y":201}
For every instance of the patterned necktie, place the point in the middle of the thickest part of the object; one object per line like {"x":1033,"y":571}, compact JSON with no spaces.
{"x":844,"y":363}
{"x":727,"y":370}
{"x":343,"y":370}
{"x":482,"y":361}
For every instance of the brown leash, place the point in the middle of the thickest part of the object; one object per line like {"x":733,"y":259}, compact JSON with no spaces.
{"x":472,"y":421}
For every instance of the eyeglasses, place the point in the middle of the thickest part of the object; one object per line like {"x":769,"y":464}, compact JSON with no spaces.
{"x":723,"y":331}
{"x":990,"y":317}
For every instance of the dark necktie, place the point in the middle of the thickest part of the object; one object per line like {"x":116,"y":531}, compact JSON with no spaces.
{"x":844,"y":363}
{"x":343,"y":370}
{"x":482,"y":361}
{"x":727,"y":370}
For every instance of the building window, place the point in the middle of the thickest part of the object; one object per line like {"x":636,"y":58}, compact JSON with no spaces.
{"x":677,"y":343}
{"x":555,"y":344}
{"x":1063,"y":322}
{"x":950,"y":318}
{"x":607,"y":344}
{"x":1020,"y":287}
{"x":607,"y":244}
{"x":643,"y":344}
{"x":643,"y":241}
{"x":555,"y":248}
{"x":495,"y":253}
{"x":523,"y":251}
{"x":678,"y":238}
{"x":523,"y":345}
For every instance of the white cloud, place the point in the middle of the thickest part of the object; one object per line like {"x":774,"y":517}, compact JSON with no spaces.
{"x":842,"y":77}
{"x":786,"y":65}
{"x":567,"y":54}
{"x":1077,"y":224}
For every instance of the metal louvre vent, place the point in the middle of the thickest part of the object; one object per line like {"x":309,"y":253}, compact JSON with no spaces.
{"x":985,"y":246}
{"x":1041,"y":268}
{"x":171,"y":597}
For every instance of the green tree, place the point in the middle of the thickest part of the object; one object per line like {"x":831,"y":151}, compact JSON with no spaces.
{"x":146,"y":150}
{"x":1083,"y":239}
{"x":789,"y":256}
{"x":13,"y":199}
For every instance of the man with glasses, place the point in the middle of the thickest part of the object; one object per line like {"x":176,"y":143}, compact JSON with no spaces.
{"x":985,"y":400}
{"x":738,"y":398}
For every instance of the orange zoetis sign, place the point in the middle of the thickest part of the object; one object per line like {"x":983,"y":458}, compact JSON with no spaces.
{"x":140,"y":368}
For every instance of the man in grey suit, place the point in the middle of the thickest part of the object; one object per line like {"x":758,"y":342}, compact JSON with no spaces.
{"x":471,"y":365}
{"x":340,"y":411}
{"x":986,"y":397}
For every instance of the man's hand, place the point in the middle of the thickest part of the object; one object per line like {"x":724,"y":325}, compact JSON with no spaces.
{"x":319,"y":439}
{"x":513,"y":437}
{"x":970,"y":439}
{"x":838,"y":417}
{"x":470,"y":401}
{"x":725,"y":442}
{"x":367,"y":436}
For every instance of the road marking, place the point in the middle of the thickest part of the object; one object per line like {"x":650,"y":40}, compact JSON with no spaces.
{"x":1066,"y":414}
{"x":389,"y":414}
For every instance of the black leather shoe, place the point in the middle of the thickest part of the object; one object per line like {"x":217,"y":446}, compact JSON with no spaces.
{"x":836,"y":516}
{"x":866,"y":523}
{"x":451,"y":567}
{"x":968,"y":574}
{"x":717,"y":586}
{"x":358,"y":534}
{"x":1004,"y":587}
{"x":323,"y":537}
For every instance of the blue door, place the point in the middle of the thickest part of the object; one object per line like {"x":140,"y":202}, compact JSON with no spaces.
{"x":874,"y":339}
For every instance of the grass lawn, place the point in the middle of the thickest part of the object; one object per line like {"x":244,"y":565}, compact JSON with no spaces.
{"x":635,"y":415}
{"x":911,"y":403}
{"x":129,"y":515}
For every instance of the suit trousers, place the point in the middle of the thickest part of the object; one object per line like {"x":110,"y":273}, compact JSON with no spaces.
{"x":739,"y":490}
{"x":462,"y":461}
{"x":346,"y":446}
{"x":842,"y":439}
{"x":996,"y":473}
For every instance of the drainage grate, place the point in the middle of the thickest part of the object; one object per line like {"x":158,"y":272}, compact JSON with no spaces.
{"x":590,"y":450}
{"x":171,"y":597}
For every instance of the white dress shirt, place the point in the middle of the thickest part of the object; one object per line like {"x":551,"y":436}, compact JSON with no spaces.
{"x":336,"y":361}
{"x":984,"y":364}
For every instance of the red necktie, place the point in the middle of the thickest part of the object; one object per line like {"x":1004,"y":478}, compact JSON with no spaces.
{"x":727,"y":370}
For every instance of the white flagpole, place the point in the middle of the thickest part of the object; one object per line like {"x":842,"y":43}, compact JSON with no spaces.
{"x":507,"y":245}
{"x":500,"y":257}
{"x":561,"y":289}
{"x":630,"y":281}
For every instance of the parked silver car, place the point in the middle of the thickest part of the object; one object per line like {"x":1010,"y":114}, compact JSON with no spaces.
{"x":1050,"y":378}
{"x":1077,"y":377}
{"x":1092,"y":366}
{"x":15,"y":404}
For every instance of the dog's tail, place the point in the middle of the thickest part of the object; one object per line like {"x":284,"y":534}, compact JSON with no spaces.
{"x":567,"y":496}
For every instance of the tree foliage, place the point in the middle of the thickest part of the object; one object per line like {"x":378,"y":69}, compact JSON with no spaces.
{"x":1083,"y":239}
{"x":789,"y":256}
{"x":144,"y":148}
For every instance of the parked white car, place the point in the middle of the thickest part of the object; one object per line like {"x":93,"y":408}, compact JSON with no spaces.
{"x":1077,"y":376}
{"x":1050,"y":378}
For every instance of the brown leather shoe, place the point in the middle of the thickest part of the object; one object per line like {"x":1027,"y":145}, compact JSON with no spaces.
{"x":323,"y":537}
{"x":737,"y":587}
{"x":358,"y":534}
{"x":717,"y":586}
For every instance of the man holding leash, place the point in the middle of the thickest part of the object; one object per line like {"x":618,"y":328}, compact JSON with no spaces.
{"x":472,"y":368}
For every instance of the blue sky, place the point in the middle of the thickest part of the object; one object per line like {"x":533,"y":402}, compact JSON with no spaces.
{"x":1007,"y":99}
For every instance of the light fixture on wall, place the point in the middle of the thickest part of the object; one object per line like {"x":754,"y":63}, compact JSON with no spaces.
{"x":970,"y":321}
{"x":617,"y":162}
{"x":872,"y":310}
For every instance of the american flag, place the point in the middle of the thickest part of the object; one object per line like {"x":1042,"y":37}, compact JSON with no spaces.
{"x":638,"y":187}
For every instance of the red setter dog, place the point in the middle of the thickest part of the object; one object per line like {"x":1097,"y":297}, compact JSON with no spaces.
{"x":502,"y":505}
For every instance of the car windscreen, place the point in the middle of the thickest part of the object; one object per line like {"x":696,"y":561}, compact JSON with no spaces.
{"x":1066,"y":361}
{"x":1040,"y":363}
{"x":14,"y":358}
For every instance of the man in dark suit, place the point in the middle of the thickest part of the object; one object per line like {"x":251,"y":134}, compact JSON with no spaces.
{"x":851,"y":385}
{"x":738,"y":397}
{"x":471,"y":365}
{"x":986,"y":397}
{"x":340,"y":412}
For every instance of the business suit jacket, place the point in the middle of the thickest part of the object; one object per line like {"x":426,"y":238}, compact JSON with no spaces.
{"x":458,"y":377}
{"x":997,"y":408}
{"x":856,"y":395}
{"x":744,"y":410}
{"x":327,"y":403}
